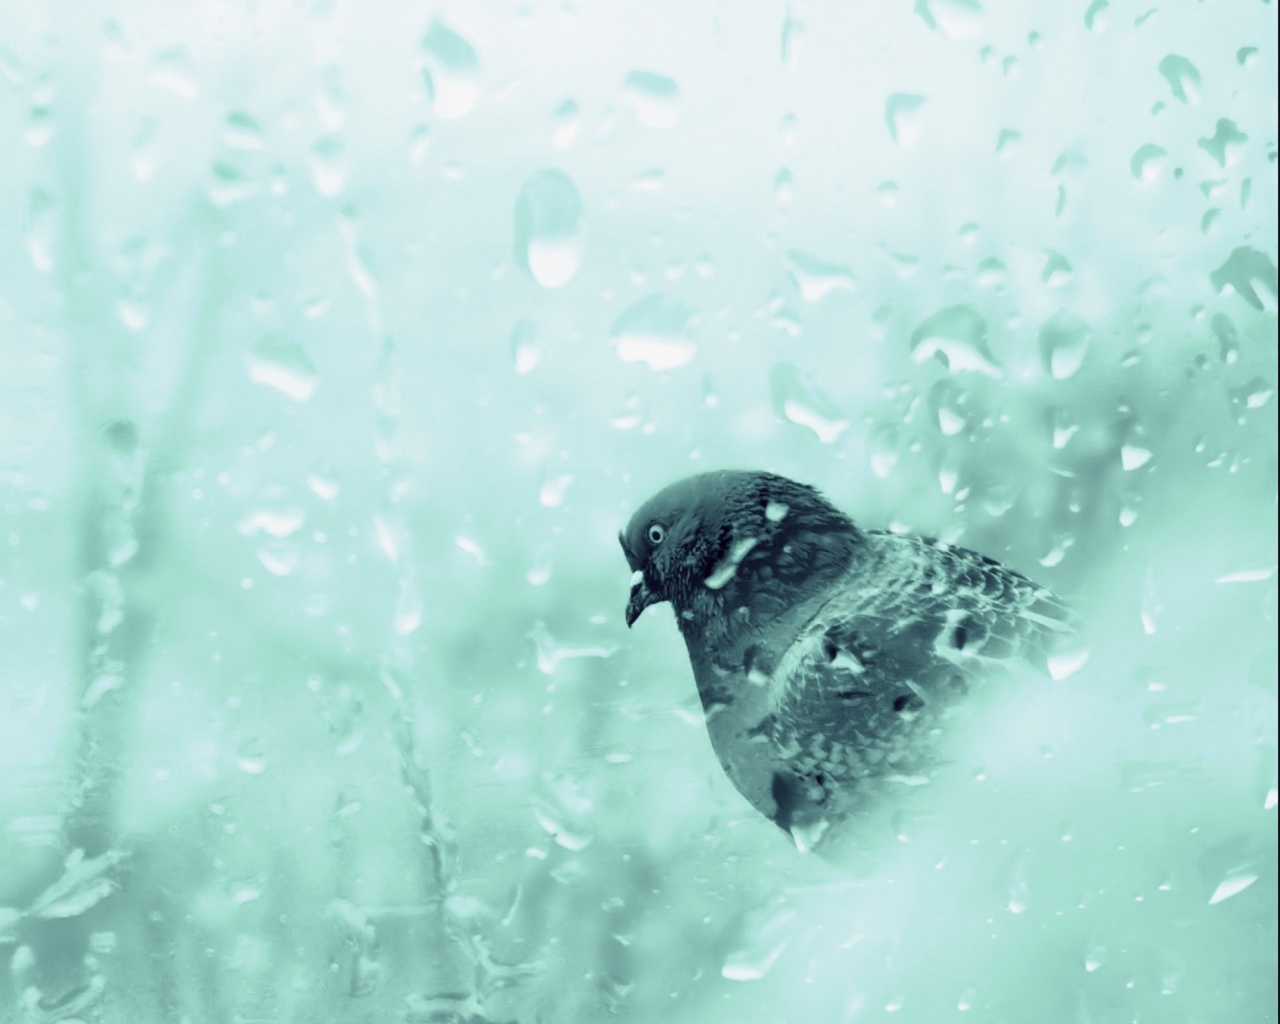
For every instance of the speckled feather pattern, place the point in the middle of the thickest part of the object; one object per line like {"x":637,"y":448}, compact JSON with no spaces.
{"x":828,"y":658}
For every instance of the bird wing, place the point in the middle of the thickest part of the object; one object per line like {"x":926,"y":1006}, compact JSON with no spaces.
{"x":896,"y":645}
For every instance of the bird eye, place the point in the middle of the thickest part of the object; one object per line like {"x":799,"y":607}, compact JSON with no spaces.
{"x":656,"y":533}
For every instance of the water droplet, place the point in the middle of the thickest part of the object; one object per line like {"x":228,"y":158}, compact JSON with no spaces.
{"x":548,"y":215}
{"x":563,"y":809}
{"x":903,"y":115}
{"x":1064,"y":342}
{"x":329,"y":165}
{"x":229,"y":185}
{"x":797,"y":399}
{"x":524,"y":348}
{"x":278,"y":523}
{"x":1147,"y":162}
{"x":654,"y":331}
{"x":408,"y":614}
{"x":144,"y":151}
{"x":1057,"y":271}
{"x":947,"y":401}
{"x":1247,"y":56}
{"x":1226,"y":144}
{"x":279,"y":559}
{"x":1067,"y":663}
{"x":1007,"y":141}
{"x":990,"y":273}
{"x":884,"y":450}
{"x":816,"y":277}
{"x":957,"y":335}
{"x":792,"y":37}
{"x":765,"y":944}
{"x":251,"y":756}
{"x":1134,"y":456}
{"x":283,"y":365}
{"x":1233,"y":885}
{"x":450,"y":71}
{"x":1250,"y":274}
{"x":564,"y":125}
{"x":784,"y":187}
{"x":649,"y":180}
{"x":1094,"y":19}
{"x":1182,"y":76}
{"x":41,"y":228}
{"x":551,"y":493}
{"x":654,"y":98}
{"x":241,"y":131}
{"x":174,"y":70}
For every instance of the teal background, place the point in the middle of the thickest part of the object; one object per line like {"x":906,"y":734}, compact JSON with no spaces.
{"x":338,"y":340}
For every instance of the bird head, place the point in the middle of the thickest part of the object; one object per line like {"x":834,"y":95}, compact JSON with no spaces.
{"x":713,"y":535}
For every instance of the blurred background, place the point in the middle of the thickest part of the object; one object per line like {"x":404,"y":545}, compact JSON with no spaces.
{"x":338,"y":340}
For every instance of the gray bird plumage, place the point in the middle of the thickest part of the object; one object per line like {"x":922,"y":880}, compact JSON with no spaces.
{"x":829,"y":659}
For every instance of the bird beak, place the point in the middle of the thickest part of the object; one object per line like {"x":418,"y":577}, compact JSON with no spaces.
{"x":641,"y":598}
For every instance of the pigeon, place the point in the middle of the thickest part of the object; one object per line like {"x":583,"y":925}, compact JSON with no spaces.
{"x":831,"y":660}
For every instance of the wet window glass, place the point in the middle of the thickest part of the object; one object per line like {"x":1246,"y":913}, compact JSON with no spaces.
{"x":340,"y":342}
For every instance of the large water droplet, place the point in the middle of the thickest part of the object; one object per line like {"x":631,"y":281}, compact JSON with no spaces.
{"x":816,"y":277}
{"x":654,"y":98}
{"x":654,"y":331}
{"x":450,"y":71}
{"x":957,"y":335}
{"x":903,"y":114}
{"x":1250,"y":274}
{"x":1182,"y":76}
{"x":283,"y":365}
{"x":1233,"y":885}
{"x":1226,"y":143}
{"x":1228,"y":338}
{"x":548,"y":243}
{"x":1064,"y":342}
{"x":798,"y":399}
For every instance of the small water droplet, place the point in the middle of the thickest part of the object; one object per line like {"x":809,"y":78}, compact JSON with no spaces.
{"x":1057,"y":271}
{"x":653,"y":98}
{"x":229,"y":185}
{"x":241,"y":131}
{"x":792,"y":38}
{"x":947,"y":401}
{"x":551,"y":493}
{"x":283,"y":365}
{"x":815,"y":277}
{"x":1007,"y":142}
{"x":1094,"y":18}
{"x":957,"y":336}
{"x":329,"y":165}
{"x":564,"y":125}
{"x":144,"y":150}
{"x":1064,"y":343}
{"x":799,"y":400}
{"x":784,"y":187}
{"x":251,"y":756}
{"x":1067,"y":663}
{"x":548,"y":215}
{"x":279,"y":559}
{"x":41,"y":229}
{"x":524,"y":348}
{"x":408,"y":614}
{"x":903,"y":115}
{"x":450,"y":71}
{"x":1182,"y":76}
{"x":1147,"y":162}
{"x":174,"y":70}
{"x":883,"y":445}
{"x":654,"y":331}
{"x":1247,"y":56}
